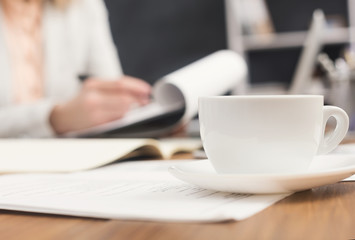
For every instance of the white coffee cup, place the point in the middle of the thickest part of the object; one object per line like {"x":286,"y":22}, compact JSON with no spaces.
{"x":267,"y":134}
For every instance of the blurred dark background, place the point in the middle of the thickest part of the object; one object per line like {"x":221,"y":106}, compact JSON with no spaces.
{"x":156,"y":37}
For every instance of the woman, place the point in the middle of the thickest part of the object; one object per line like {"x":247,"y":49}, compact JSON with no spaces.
{"x":45,"y":46}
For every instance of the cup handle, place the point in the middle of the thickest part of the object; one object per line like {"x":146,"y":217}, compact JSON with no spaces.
{"x":328,"y":143}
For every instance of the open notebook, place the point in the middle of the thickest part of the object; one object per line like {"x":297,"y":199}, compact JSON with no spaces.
{"x":69,"y":155}
{"x":175,"y":97}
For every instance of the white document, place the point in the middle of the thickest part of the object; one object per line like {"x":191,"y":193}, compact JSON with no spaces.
{"x":130,"y":190}
{"x":179,"y":91}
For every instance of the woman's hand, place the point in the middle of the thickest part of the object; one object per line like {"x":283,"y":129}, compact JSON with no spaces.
{"x":99,"y":102}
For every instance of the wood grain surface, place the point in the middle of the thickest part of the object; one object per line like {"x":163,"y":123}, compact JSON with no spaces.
{"x":326,"y":212}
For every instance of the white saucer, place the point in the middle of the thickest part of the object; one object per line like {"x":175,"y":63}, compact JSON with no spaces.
{"x":324,"y":170}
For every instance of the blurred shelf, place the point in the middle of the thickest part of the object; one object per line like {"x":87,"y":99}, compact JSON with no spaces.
{"x":292,"y":39}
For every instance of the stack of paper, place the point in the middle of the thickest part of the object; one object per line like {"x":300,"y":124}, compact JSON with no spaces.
{"x":141,"y":190}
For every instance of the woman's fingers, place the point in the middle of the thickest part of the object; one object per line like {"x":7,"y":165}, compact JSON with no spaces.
{"x":126,"y":84}
{"x":134,"y":85}
{"x":99,"y":102}
{"x":107,"y":107}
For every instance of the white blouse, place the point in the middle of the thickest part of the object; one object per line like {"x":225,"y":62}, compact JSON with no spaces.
{"x":76,"y":42}
{"x":22,"y":30}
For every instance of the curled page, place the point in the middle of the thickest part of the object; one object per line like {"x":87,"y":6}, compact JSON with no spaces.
{"x":175,"y":97}
{"x":215,"y":74}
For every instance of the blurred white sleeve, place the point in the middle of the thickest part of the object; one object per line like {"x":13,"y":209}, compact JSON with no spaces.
{"x":103,"y":57}
{"x":26,"y":120}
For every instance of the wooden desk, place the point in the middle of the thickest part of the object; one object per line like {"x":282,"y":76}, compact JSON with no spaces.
{"x":323,"y":213}
{"x":326,"y":212}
